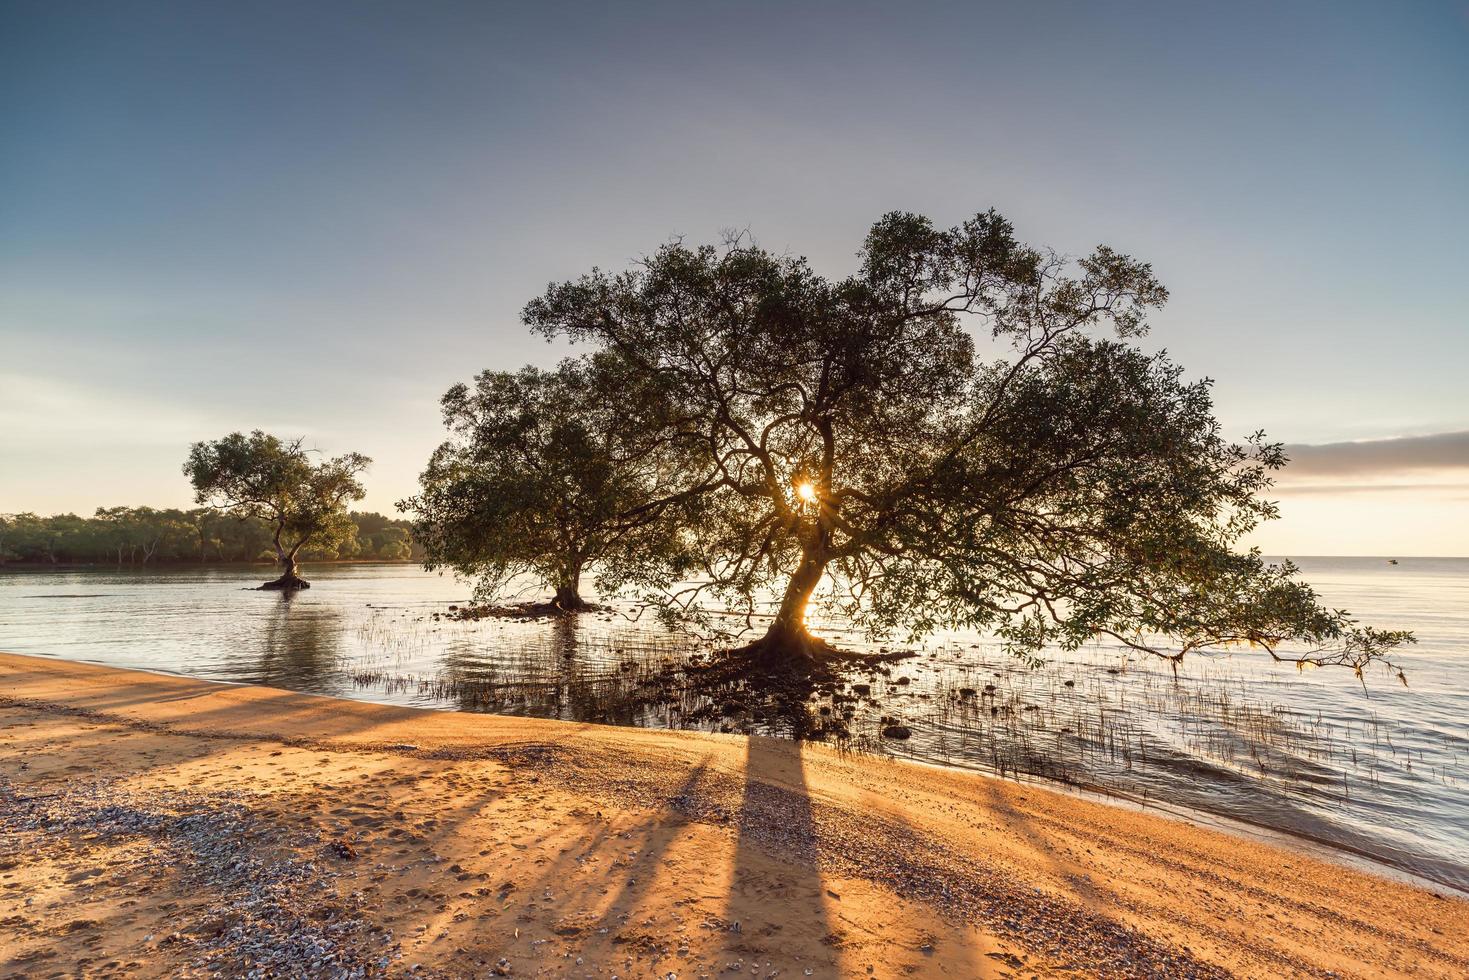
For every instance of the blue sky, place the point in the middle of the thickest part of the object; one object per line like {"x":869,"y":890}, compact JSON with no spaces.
{"x":314,"y":218}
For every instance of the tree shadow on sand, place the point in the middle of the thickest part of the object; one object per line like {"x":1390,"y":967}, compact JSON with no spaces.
{"x":776,"y":895}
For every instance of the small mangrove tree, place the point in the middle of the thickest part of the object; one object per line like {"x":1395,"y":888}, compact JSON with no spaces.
{"x":261,"y":476}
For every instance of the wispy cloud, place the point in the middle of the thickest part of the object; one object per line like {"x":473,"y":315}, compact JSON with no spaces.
{"x":38,"y":412}
{"x":1332,"y":489}
{"x":1373,"y":458}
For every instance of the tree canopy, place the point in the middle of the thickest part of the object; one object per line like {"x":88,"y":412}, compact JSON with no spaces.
{"x":545,"y":473}
{"x":962,"y":433}
{"x":263,"y":477}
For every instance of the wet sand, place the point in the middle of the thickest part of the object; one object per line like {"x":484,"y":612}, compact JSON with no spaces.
{"x":161,"y":826}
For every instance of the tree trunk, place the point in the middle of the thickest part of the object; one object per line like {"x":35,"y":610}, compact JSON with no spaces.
{"x":568,"y":589}
{"x":290,"y":579}
{"x":788,"y":638}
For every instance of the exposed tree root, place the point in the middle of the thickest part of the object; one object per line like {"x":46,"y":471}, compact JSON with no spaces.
{"x":776,"y":682}
{"x":801,"y":652}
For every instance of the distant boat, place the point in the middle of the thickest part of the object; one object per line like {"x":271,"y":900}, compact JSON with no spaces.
{"x":1392,"y":561}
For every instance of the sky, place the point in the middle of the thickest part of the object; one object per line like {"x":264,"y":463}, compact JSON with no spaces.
{"x":314,"y":218}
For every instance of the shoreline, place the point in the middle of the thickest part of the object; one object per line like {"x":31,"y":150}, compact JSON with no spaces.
{"x":628,"y":851}
{"x":1301,"y":843}
{"x":1331,"y":852}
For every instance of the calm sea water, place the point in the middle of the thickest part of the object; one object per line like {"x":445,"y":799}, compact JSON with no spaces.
{"x":1381,"y":772}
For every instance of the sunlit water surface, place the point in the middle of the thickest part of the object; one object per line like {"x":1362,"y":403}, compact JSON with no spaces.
{"x":1380,"y":772}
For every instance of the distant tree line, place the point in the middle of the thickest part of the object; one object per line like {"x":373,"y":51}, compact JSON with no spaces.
{"x":149,"y":536}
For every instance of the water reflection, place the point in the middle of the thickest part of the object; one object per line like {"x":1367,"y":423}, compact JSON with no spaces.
{"x":300,"y":644}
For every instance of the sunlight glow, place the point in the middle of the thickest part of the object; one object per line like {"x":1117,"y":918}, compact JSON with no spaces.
{"x":806,"y":491}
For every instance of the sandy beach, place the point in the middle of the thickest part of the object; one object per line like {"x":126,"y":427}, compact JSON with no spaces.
{"x":161,"y":826}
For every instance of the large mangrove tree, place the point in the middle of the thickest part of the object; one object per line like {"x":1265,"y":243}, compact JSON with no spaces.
{"x":962,"y":433}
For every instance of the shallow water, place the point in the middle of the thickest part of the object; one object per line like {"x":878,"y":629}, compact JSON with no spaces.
{"x":1381,"y":772}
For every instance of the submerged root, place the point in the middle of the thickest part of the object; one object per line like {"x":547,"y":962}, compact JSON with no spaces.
{"x":519,"y":610}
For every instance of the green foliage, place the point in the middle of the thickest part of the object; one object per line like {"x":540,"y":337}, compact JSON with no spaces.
{"x":545,"y":472}
{"x":275,"y":480}
{"x":394,"y":544}
{"x":977,"y":454}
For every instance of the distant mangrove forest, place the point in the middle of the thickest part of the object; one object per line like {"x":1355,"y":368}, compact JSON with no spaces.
{"x":145,"y":535}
